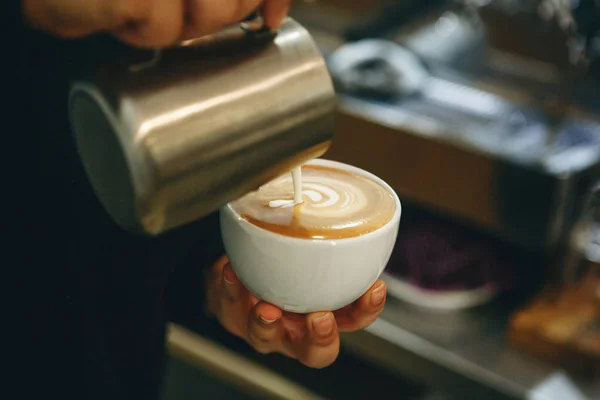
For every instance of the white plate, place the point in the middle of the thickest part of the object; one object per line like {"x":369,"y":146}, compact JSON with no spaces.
{"x":433,"y":300}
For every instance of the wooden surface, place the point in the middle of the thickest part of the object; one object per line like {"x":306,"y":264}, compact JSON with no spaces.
{"x":563,"y":326}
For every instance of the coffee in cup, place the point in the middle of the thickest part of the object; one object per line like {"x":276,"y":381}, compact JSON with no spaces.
{"x":336,"y":204}
{"x":319,"y":255}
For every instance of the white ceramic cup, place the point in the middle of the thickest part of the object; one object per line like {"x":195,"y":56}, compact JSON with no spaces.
{"x":306,"y":275}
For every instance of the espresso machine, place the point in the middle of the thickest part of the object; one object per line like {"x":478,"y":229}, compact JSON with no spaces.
{"x":487,"y":113}
{"x":564,"y":38}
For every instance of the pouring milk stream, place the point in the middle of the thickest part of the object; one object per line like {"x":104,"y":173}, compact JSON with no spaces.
{"x":297,"y":180}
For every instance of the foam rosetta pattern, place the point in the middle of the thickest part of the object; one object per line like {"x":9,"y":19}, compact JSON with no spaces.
{"x":335,"y":204}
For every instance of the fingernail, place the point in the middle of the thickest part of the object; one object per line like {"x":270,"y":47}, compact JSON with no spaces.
{"x":229,"y":276}
{"x":265,"y":320}
{"x":378,"y":295}
{"x":323,"y":325}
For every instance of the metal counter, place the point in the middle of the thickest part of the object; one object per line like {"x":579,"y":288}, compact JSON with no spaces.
{"x":463,"y":353}
{"x":458,"y":356}
{"x":250,"y":378}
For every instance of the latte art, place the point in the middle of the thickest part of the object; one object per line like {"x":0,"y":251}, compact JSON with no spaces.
{"x":335,"y":204}
{"x":329,"y":199}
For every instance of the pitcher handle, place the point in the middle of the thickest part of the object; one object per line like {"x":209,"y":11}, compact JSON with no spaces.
{"x":253,"y":25}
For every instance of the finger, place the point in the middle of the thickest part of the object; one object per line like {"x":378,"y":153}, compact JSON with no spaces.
{"x":274,"y":11}
{"x":75,"y":18}
{"x":213,"y":285}
{"x":152,"y":24}
{"x":209,"y":16}
{"x":217,"y":268}
{"x":232,"y":288}
{"x":364,"y":311}
{"x":265,"y":329}
{"x":234,"y":303}
{"x":321,"y":346}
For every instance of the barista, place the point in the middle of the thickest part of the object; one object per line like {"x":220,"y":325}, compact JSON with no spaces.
{"x":114,"y":303}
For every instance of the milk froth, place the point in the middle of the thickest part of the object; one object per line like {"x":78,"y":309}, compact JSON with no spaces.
{"x":334,"y":204}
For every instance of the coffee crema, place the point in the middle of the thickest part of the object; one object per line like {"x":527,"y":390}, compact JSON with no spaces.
{"x":336,"y":204}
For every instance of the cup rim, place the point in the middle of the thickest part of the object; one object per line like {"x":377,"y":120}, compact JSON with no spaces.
{"x":261,"y":232}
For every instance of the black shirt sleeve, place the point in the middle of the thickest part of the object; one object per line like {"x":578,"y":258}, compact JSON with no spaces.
{"x":109,"y":325}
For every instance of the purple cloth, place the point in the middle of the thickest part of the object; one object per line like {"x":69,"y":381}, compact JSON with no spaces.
{"x":439,"y":256}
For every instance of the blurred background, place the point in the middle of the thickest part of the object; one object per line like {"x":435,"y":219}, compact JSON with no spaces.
{"x":484,"y":115}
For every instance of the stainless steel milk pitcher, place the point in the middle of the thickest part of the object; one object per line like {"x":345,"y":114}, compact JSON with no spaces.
{"x":170,"y":138}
